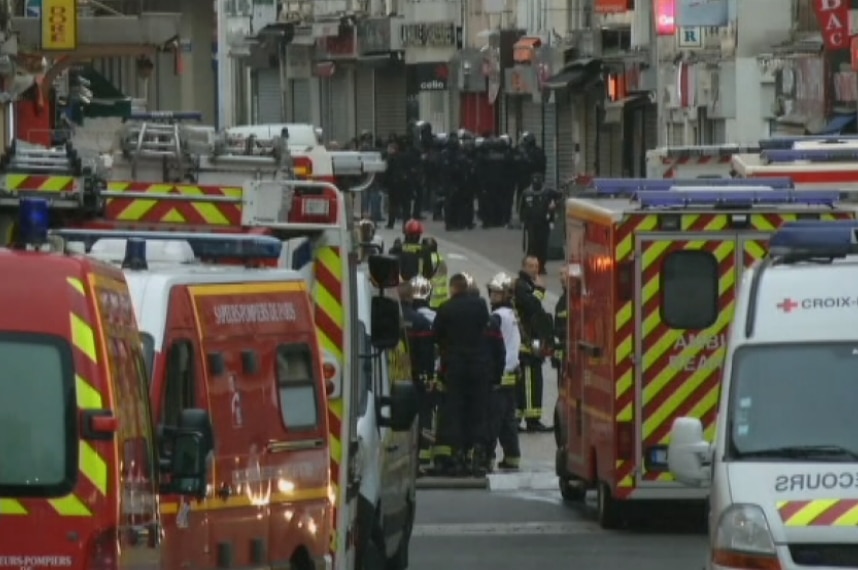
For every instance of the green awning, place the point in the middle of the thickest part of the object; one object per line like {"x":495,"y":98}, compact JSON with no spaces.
{"x":107,"y":99}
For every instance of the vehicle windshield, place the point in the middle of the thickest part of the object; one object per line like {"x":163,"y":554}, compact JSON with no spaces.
{"x":795,"y":401}
{"x":38,"y":439}
{"x":148,"y":344}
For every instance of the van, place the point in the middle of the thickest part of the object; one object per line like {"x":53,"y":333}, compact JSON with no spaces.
{"x":784,"y":463}
{"x":80,"y":475}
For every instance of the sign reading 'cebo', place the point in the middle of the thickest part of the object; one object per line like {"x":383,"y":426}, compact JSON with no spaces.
{"x":59,"y":25}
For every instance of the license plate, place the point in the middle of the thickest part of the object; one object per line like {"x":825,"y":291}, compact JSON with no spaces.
{"x":315,"y":207}
{"x":659,"y":456}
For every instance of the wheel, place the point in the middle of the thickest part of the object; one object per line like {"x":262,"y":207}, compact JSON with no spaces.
{"x":572,"y":493}
{"x":608,"y":510}
{"x":399,"y":560}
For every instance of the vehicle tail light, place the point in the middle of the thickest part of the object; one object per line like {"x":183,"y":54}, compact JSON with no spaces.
{"x":625,"y":438}
{"x":103,"y":551}
{"x":302,"y":166}
{"x":313,"y":206}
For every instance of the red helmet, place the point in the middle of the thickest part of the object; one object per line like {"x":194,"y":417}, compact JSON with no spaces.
{"x":413,"y":228}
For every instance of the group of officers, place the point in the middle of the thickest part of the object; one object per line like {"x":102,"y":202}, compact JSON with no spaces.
{"x":477,"y":365}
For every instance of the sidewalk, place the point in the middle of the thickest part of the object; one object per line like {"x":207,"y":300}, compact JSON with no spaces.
{"x":537,"y":471}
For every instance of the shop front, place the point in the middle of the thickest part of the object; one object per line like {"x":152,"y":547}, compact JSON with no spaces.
{"x":336,"y":59}
{"x":380,"y":80}
{"x":302,"y":97}
{"x":429,"y":50}
{"x":477,"y":107}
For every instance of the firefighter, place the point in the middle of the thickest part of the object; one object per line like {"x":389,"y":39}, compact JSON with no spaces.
{"x":436,"y":272}
{"x":504,"y":425}
{"x":459,"y":328}
{"x":536,"y":333}
{"x":561,"y":311}
{"x":421,"y":257}
{"x":422,"y":350}
{"x":536,"y":211}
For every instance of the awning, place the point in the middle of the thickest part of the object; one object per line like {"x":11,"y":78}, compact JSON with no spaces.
{"x":839,"y":122}
{"x":574,"y":74}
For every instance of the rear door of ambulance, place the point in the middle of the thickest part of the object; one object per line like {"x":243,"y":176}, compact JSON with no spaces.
{"x":683,"y":308}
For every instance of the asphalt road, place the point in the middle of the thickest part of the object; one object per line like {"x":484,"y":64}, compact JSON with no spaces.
{"x":520,"y":522}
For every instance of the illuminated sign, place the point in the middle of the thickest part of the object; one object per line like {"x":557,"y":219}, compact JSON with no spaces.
{"x":59,"y":25}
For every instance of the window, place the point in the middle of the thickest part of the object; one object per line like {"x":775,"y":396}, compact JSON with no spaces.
{"x":148,"y":345}
{"x":813,"y":385}
{"x":38,"y":416}
{"x":689,"y":290}
{"x":296,"y":386}
{"x":179,"y":389}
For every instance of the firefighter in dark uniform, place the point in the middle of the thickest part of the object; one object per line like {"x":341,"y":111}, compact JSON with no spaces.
{"x":536,"y":338}
{"x":561,"y":315}
{"x":537,"y":211}
{"x":422,"y":349}
{"x":503,"y":417}
{"x":460,"y":328}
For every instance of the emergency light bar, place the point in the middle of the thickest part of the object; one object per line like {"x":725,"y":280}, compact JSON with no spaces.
{"x":204,"y":246}
{"x":680,"y":198}
{"x":627,"y":186}
{"x":166,"y":116}
{"x":786,"y":143}
{"x":822,"y":239}
{"x":810,"y":155}
{"x":708,"y":150}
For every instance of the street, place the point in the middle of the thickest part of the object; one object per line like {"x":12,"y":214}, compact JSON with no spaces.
{"x":520,"y":521}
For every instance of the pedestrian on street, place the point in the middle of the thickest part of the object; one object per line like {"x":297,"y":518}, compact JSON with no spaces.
{"x":537,"y":210}
{"x":561,"y":312}
{"x":396,"y":180}
{"x":459,"y":328}
{"x":504,"y":424}
{"x":536,"y":335}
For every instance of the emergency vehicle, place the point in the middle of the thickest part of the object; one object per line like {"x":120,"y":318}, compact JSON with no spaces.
{"x":704,"y":161}
{"x":810,"y":161}
{"x":653,"y":267}
{"x":241,"y":344}
{"x":783,"y":467}
{"x":320,"y":219}
{"x":80,"y":475}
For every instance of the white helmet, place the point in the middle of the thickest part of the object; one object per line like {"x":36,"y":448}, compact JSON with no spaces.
{"x":500,"y":283}
{"x":422,"y":288}
{"x":469,"y":279}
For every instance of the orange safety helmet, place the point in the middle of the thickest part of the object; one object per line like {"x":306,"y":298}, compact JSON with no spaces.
{"x":413,"y":228}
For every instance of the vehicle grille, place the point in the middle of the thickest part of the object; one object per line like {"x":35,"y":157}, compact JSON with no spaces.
{"x":836,"y":555}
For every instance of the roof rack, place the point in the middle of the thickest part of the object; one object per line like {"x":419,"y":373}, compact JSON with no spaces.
{"x":631,"y":186}
{"x":787,"y":143}
{"x":735,"y":198}
{"x":810,"y":155}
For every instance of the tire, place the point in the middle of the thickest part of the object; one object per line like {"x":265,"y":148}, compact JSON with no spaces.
{"x":608,"y":511}
{"x":571,"y":493}
{"x":399,"y":560}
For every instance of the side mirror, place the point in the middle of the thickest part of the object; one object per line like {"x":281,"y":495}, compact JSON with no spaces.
{"x":688,"y":453}
{"x":386,"y":327}
{"x":187,"y":448}
{"x":399,"y":410}
{"x":384,"y":271}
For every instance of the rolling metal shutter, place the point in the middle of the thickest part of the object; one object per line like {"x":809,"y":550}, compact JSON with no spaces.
{"x":719,"y":131}
{"x":269,"y":96}
{"x":341,"y":101}
{"x":651,"y":126}
{"x":636,"y":116}
{"x":531,"y":119}
{"x":591,"y":130}
{"x":611,"y":151}
{"x":565,"y":141}
{"x":300,"y":106}
{"x":364,"y":99}
{"x":390,"y":101}
{"x":549,"y":137}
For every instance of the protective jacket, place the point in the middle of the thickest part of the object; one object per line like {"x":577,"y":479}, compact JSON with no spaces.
{"x":421,"y":343}
{"x":527,"y":301}
{"x":415,"y":259}
{"x":508,"y":324}
{"x":496,"y":348}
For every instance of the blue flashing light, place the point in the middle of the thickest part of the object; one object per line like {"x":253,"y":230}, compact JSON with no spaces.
{"x":205,"y":246}
{"x":135,"y":255}
{"x":787,"y":143}
{"x":811,"y":155}
{"x":825,"y":239}
{"x":34,"y":219}
{"x":166,"y":116}
{"x":629,"y":186}
{"x":727,"y":198}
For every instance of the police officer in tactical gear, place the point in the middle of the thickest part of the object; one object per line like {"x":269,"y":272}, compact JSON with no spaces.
{"x":529,"y":160}
{"x":561,"y":312}
{"x":413,"y":295}
{"x":537,"y":210}
{"x":396,"y":181}
{"x":470,"y":181}
{"x":454,"y":167}
{"x":460,"y":326}
{"x":498,"y":187}
{"x":504,"y":424}
{"x":536,"y":338}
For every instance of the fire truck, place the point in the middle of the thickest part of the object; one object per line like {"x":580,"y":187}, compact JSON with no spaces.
{"x":830,"y":162}
{"x":317,"y":218}
{"x":704,"y":161}
{"x":653,"y":268}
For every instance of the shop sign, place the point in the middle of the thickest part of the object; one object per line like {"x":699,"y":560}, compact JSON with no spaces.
{"x":521,"y":80}
{"x":59,"y":25}
{"x":611,"y":6}
{"x":435,"y":34}
{"x":833,"y":18}
{"x":425,"y":77}
{"x":665,"y":17}
{"x":373,"y":36}
{"x":338,"y":47}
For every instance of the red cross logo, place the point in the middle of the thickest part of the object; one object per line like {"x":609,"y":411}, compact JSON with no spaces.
{"x":788,"y":305}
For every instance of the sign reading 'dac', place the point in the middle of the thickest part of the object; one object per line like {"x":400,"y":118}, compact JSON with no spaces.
{"x":59,"y":25}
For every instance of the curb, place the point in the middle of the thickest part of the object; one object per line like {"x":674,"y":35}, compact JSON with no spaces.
{"x":533,"y":481}
{"x":453,"y":483}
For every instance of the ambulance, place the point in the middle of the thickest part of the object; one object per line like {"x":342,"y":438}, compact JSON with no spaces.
{"x":687,"y":162}
{"x":239,"y":343}
{"x":653,"y":267}
{"x":81,"y":473}
{"x":783,"y":469}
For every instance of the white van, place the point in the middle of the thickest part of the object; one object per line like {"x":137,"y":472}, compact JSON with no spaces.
{"x":783,"y":467}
